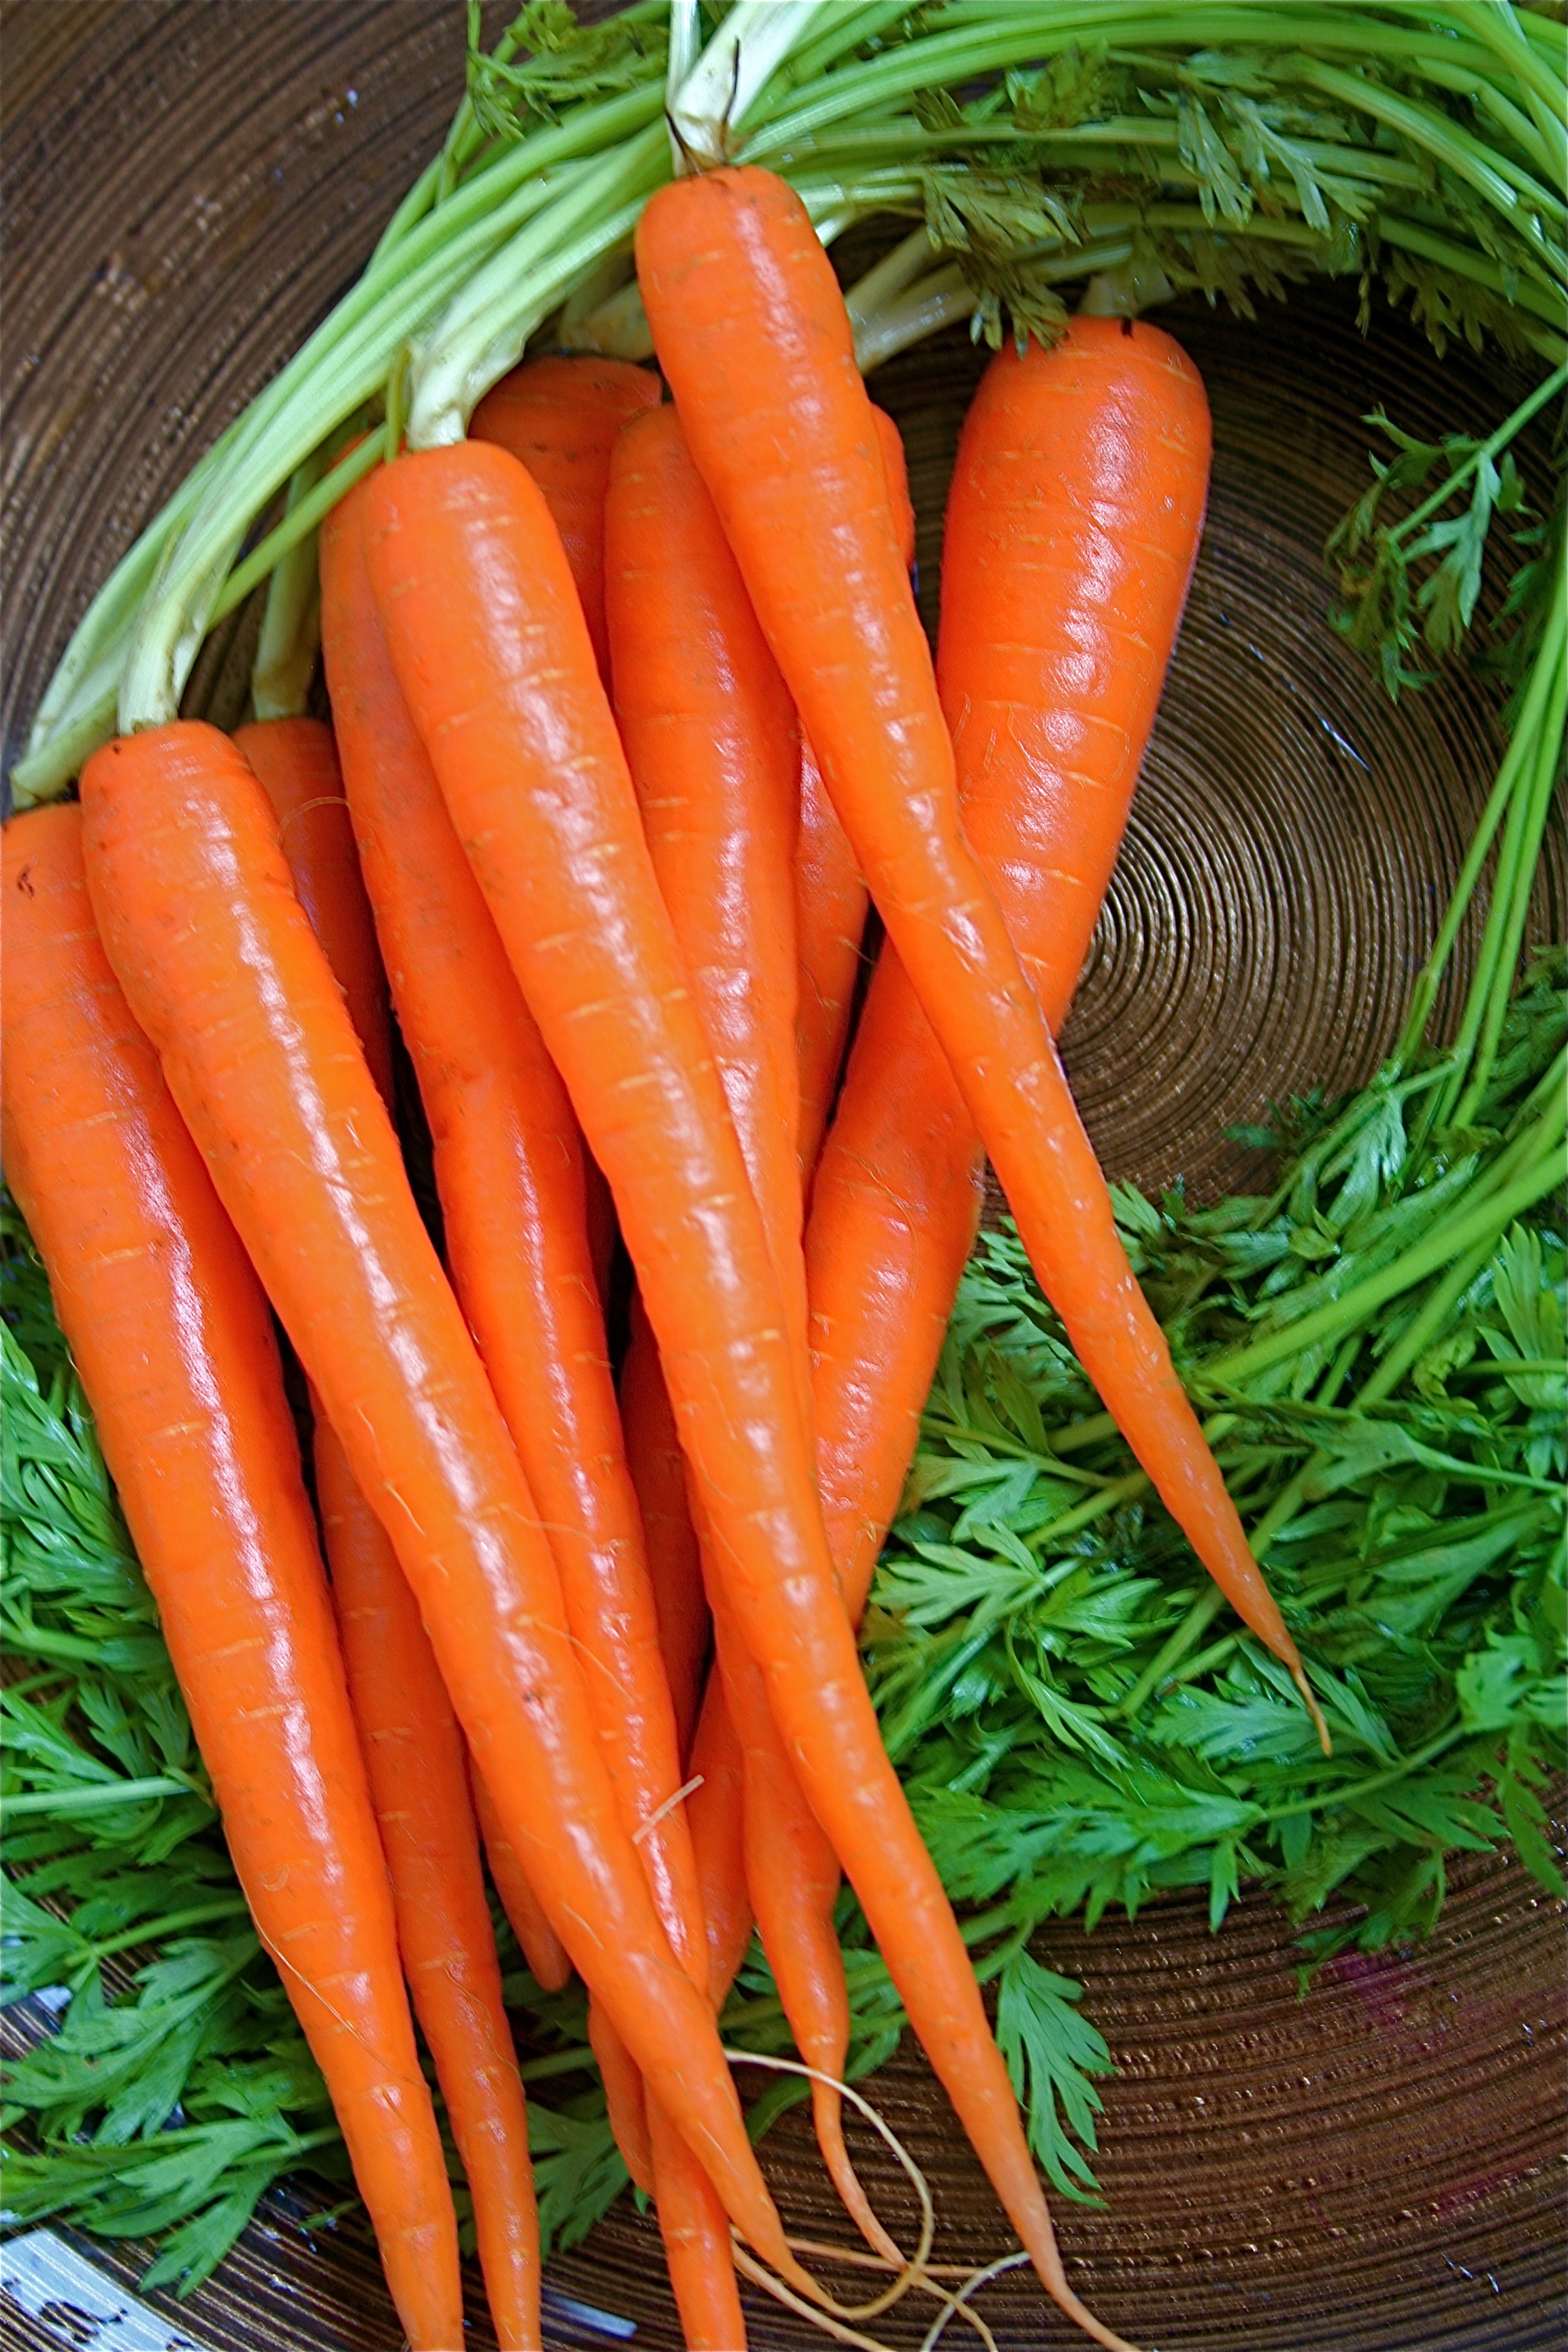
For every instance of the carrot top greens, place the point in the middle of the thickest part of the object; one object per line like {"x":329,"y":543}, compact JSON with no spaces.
{"x":1227,"y":148}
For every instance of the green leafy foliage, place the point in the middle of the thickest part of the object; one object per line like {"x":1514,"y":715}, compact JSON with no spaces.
{"x":546,"y":62}
{"x":1079,"y":1721}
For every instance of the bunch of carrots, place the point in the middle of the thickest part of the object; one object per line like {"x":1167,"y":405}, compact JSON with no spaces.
{"x":632,"y":718}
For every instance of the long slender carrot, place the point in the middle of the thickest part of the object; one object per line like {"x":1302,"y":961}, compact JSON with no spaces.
{"x":168,"y":1326}
{"x":560,"y":415}
{"x":657,"y":1469}
{"x":417,"y":1767}
{"x":199,"y":917}
{"x":1072,"y":527}
{"x":705,"y":721}
{"x":296,"y":763}
{"x":756,"y":343}
{"x":508,"y":1169}
{"x":711,"y":749}
{"x":494,"y":660}
{"x":416,"y":1757}
{"x":831,"y":897}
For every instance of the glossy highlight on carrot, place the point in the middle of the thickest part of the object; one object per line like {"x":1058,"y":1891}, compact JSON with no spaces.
{"x":170,"y":1332}
{"x":308,"y":1163}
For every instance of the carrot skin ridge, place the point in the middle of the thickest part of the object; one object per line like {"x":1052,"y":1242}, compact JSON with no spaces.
{"x":535,"y":778}
{"x":169,"y":1329}
{"x":200,"y":919}
{"x":417,"y":1767}
{"x":754,"y":342}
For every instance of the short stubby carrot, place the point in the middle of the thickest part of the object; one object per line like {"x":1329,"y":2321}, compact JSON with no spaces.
{"x":561,"y":415}
{"x":494,"y":660}
{"x":199,"y":917}
{"x":754,"y":341}
{"x":169,"y":1329}
{"x":417,"y":1767}
{"x":296,"y":763}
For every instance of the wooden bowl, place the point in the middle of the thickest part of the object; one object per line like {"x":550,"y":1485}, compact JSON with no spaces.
{"x":1371,"y":2163}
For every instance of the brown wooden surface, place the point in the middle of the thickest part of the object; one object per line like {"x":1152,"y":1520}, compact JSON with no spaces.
{"x":187,"y":187}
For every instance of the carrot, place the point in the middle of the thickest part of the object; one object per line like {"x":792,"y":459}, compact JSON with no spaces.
{"x":199,"y":917}
{"x":657,"y":1470}
{"x":416,"y":1757}
{"x":560,"y":416}
{"x":495,"y":662}
{"x":417,"y":1763}
{"x":830,"y":895}
{"x":754,"y":341}
{"x":170,"y":1332}
{"x":508,"y":1169}
{"x":296,"y":763}
{"x":541,"y":1946}
{"x":705,"y":725}
{"x":1072,"y":526}
{"x":711,"y":748}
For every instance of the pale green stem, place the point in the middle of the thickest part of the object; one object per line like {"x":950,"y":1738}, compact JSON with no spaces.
{"x":1537,"y":811}
{"x":291,"y":624}
{"x":482,"y":332}
{"x":1360,"y":1303}
{"x":94,"y":1801}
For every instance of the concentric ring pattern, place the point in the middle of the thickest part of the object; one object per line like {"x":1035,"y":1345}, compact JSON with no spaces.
{"x":1371,"y":2166}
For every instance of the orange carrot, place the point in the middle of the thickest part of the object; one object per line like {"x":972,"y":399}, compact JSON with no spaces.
{"x":830,"y":895}
{"x":1072,"y":527}
{"x":754,"y":341}
{"x":508,"y":1169}
{"x":416,"y":1758}
{"x":170,"y":1332}
{"x":705,"y":721}
{"x":657,"y":1469}
{"x":200,"y":919}
{"x":541,"y":1946}
{"x":560,"y":415}
{"x":417,"y":1767}
{"x":296,"y":763}
{"x":494,"y":660}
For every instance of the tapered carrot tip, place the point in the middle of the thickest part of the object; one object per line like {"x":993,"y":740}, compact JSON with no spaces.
{"x":1298,"y":1676}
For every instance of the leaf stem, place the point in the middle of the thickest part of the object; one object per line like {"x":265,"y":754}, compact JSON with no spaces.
{"x":90,"y":1801}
